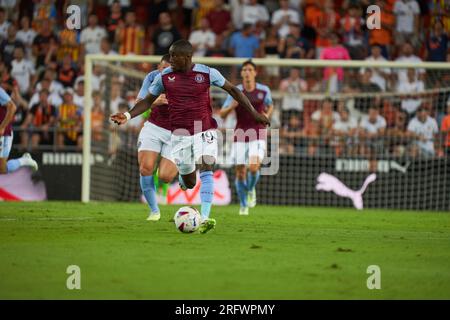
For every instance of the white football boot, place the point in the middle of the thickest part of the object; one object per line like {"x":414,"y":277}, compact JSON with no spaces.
{"x":251,"y":198}
{"x":154,"y":216}
{"x":29,"y":161}
{"x":243,"y":211}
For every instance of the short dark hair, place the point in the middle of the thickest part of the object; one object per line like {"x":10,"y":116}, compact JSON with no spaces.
{"x":248,"y":62}
{"x":165,"y":57}
{"x":182,"y":46}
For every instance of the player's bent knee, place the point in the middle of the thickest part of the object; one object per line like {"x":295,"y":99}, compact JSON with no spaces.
{"x":146,"y":170}
{"x":166,"y":177}
{"x":3,"y":168}
{"x":254,"y":168}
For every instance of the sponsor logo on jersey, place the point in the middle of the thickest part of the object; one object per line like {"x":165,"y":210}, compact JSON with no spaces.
{"x":171,"y":79}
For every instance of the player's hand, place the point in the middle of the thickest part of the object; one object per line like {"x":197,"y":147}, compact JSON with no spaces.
{"x":119,"y":118}
{"x":161,"y":100}
{"x":2,"y":131}
{"x":261,"y":118}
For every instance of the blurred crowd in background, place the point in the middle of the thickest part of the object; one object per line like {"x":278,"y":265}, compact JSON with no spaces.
{"x":397,"y":112}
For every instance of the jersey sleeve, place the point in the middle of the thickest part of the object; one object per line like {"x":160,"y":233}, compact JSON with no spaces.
{"x":268,"y":98}
{"x":216,"y":78}
{"x":227,"y":101}
{"x":157,"y":86}
{"x":4,"y":97}
{"x":143,"y":92}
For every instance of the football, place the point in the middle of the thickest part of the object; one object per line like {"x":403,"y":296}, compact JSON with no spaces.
{"x":187,"y":219}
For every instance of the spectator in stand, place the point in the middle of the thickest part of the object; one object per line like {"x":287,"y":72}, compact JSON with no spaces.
{"x":115,"y":18}
{"x":380,"y":76}
{"x":69,"y":44}
{"x":69,"y":122}
{"x":445,"y":130}
{"x":437,"y":43}
{"x":344,"y":130}
{"x":8,"y":45}
{"x":371,"y":133}
{"x":333,"y":77}
{"x":320,"y":128}
{"x":410,"y":92}
{"x":365,"y":86}
{"x":40,"y":120}
{"x":383,"y":37}
{"x":67,"y":72}
{"x":164,"y":35}
{"x":295,"y":45}
{"x":130,"y":35}
{"x":97,"y":116}
{"x":243,"y":44}
{"x":253,"y":12}
{"x":423,"y":129}
{"x":408,"y":56}
{"x":91,"y":36}
{"x":396,"y":136}
{"x":116,"y":97}
{"x":407,"y":14}
{"x":202,"y":39}
{"x":270,"y":47}
{"x":292,"y":89}
{"x":291,"y":135}
{"x":283,"y":18}
{"x":78,"y":95}
{"x":42,"y":42}
{"x":22,"y":70}
{"x":43,"y":11}
{"x":4,"y":24}
{"x":352,"y":29}
{"x":105,"y":47}
{"x":220,"y":19}
{"x":26,"y":35}
{"x":326,"y":24}
{"x":54,"y":97}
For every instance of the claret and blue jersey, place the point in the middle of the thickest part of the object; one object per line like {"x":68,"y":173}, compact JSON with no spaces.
{"x":260,"y":98}
{"x":188,"y":96}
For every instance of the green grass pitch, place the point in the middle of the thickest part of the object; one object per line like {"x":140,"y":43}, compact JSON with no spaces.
{"x":275,"y":253}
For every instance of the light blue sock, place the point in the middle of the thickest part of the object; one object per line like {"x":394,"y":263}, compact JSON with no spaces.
{"x":252,"y":180}
{"x":241,"y":189}
{"x":13,"y":165}
{"x":206,"y":192}
{"x":149,"y":191}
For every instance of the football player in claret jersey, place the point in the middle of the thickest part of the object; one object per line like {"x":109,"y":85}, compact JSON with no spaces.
{"x":154,"y":140}
{"x":194,"y":137}
{"x":250,"y":137}
{"x":7,"y":110}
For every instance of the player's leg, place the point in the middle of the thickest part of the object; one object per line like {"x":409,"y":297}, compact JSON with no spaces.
{"x":167,"y":168}
{"x":149,"y":148}
{"x":183,"y":156}
{"x":241,"y":188}
{"x":147,"y":161}
{"x":257,"y":150}
{"x":239,"y":153}
{"x":205,"y":145}
{"x":13,"y":164}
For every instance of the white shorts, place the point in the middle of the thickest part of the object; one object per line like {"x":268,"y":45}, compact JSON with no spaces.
{"x":5,"y":146}
{"x":157,"y":139}
{"x":188,"y":150}
{"x":241,"y":152}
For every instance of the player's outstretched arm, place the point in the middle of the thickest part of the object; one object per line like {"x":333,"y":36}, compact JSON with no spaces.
{"x":224,"y":112}
{"x":140,"y":107}
{"x":243,"y":101}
